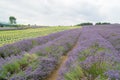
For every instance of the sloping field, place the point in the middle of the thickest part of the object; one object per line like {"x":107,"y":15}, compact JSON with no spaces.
{"x":16,"y":35}
{"x":90,"y":53}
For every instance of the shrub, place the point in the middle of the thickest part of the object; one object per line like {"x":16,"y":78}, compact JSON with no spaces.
{"x":104,"y":23}
{"x":84,"y":24}
{"x":75,"y":73}
{"x":15,"y":66}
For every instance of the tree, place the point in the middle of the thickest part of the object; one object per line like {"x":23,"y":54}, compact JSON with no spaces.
{"x":12,"y":20}
{"x":104,"y":23}
{"x":84,"y":24}
{"x":98,"y":23}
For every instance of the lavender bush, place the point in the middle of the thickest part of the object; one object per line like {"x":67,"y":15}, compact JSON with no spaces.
{"x":93,"y":54}
{"x":26,"y":45}
{"x":52,"y":52}
{"x":49,"y":57}
{"x":93,"y":57}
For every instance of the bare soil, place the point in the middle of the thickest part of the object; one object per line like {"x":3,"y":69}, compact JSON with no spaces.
{"x":54,"y":74}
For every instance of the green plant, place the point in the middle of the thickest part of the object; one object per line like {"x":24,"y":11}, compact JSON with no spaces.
{"x":101,"y":77}
{"x":7,"y":37}
{"x":18,"y":65}
{"x":97,"y":69}
{"x":75,"y":74}
{"x":11,"y":68}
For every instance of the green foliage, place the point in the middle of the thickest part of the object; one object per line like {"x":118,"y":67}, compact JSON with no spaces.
{"x":30,"y":57}
{"x":75,"y":74}
{"x":17,"y":65}
{"x":11,"y":36}
{"x":34,"y":42}
{"x":97,"y":68}
{"x":92,"y":50}
{"x":100,"y":23}
{"x":11,"y":68}
{"x":84,"y":24}
{"x":101,"y":77}
{"x":12,"y":20}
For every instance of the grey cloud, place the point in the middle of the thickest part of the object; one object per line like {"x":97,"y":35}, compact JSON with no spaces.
{"x":60,"y":12}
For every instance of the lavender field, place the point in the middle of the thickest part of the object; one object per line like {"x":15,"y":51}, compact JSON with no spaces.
{"x":88,"y":53}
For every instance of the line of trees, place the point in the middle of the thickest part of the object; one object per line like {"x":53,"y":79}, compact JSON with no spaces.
{"x":104,"y":23}
{"x":84,"y":24}
{"x":88,"y":23}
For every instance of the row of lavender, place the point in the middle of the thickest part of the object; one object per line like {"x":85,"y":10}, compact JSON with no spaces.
{"x":96,"y":57}
{"x":14,"y":57}
{"x":38,"y":61}
{"x":112,"y":35}
{"x":26,"y":45}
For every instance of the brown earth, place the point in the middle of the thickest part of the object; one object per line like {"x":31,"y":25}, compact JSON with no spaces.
{"x":54,"y":74}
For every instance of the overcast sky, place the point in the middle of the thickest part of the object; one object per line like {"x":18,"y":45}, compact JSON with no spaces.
{"x":60,"y":12}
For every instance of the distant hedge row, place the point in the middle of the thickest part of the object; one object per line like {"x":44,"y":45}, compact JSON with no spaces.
{"x":88,"y":23}
{"x":99,"y":23}
{"x":83,"y":24}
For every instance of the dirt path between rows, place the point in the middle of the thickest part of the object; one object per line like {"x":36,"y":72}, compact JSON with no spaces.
{"x":54,"y":75}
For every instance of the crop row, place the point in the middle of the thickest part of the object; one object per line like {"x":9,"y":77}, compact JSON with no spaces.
{"x":95,"y":58}
{"x":38,"y":61}
{"x":93,"y":55}
{"x":16,"y":35}
{"x":27,"y":44}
